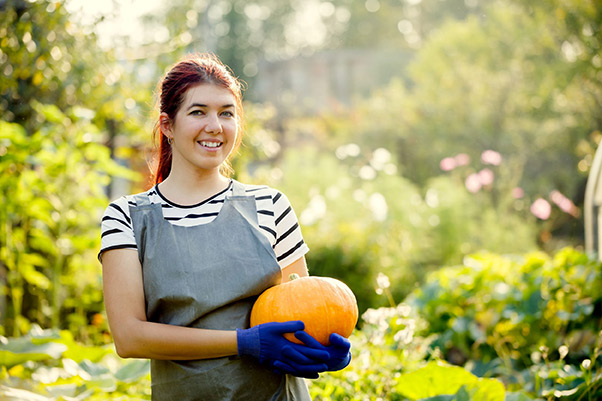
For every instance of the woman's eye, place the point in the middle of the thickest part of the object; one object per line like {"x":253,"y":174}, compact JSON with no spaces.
{"x":228,"y":114}
{"x":196,"y":112}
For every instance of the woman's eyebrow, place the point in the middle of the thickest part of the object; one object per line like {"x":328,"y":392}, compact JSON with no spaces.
{"x":225,"y":106}
{"x":196,"y":105}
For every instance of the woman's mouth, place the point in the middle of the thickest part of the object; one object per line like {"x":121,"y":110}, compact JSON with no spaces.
{"x":210,"y":144}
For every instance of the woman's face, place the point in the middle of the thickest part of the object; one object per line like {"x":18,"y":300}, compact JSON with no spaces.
{"x":204,"y":129}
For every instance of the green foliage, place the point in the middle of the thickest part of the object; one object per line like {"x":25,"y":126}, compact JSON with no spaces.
{"x":361,"y":219}
{"x":50,"y":365}
{"x":402,"y":352}
{"x":52,"y":200}
{"x":46,"y":57}
{"x":524,"y":326}
{"x":533,"y":314}
{"x":521,"y":78}
{"x":60,"y":109}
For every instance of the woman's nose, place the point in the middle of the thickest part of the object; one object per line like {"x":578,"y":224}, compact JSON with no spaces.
{"x":214,"y":125}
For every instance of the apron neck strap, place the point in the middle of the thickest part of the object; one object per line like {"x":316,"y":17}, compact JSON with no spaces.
{"x":141,"y":200}
{"x":238,"y":189}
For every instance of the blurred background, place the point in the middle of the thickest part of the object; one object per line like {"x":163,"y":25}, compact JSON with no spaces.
{"x":408,"y":134}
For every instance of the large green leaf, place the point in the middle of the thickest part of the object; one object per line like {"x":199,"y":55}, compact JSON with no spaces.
{"x":516,"y":396}
{"x":437,"y":381}
{"x":133,"y":370}
{"x":434,"y":379}
{"x":21,"y":350}
{"x":486,"y":390}
{"x":17,"y":394}
{"x":63,"y":390}
{"x":93,"y":369}
{"x":80,"y":353}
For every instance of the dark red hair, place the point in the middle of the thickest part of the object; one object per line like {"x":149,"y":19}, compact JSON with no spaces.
{"x":192,"y":70}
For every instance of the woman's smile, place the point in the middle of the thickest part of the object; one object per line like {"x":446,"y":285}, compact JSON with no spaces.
{"x":211,"y":145}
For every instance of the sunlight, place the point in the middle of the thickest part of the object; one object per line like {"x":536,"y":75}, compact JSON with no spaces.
{"x":120,"y":18}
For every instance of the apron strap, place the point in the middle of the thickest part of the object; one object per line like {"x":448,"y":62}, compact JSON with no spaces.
{"x":238,"y":189}
{"x":141,"y":200}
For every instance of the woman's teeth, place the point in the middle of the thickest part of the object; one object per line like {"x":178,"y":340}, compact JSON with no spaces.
{"x":211,"y":144}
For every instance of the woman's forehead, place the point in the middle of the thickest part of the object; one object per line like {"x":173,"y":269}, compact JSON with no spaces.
{"x":209,"y":95}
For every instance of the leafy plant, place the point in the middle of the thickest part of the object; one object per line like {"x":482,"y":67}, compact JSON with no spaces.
{"x":534,"y":320}
{"x":52,"y":198}
{"x":50,"y":365}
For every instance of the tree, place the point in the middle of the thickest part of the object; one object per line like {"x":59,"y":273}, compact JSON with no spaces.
{"x":61,"y":101}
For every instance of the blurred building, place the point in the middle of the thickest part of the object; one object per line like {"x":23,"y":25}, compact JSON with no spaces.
{"x":327,"y":79}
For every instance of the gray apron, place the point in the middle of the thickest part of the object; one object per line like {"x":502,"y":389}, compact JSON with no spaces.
{"x":208,"y":276}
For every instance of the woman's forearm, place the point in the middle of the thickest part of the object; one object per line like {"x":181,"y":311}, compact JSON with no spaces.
{"x":142,"y":339}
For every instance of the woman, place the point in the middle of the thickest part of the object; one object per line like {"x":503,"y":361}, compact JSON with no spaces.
{"x":184,"y":262}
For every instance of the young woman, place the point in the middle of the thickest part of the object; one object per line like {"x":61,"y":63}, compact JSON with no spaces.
{"x":184,"y":261}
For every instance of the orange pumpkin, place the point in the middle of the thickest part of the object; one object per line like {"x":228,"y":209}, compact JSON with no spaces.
{"x":326,"y":305}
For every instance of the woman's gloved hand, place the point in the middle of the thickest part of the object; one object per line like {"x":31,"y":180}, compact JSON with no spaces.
{"x":339,"y":349}
{"x":266,"y":342}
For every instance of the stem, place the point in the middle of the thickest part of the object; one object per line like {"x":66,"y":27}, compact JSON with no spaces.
{"x":390,"y":298}
{"x":55,"y":294}
{"x":293,"y":276}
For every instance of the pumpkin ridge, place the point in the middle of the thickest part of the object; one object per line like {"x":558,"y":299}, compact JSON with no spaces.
{"x":327,"y":310}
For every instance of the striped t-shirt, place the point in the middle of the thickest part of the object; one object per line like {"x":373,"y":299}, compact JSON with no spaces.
{"x":276,"y":219}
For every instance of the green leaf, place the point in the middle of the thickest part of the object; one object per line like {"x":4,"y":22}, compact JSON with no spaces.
{"x":21,"y":350}
{"x":17,"y":394}
{"x":434,"y":379}
{"x":106,"y":383}
{"x":64,"y":390}
{"x":50,"y":112}
{"x":133,"y":371}
{"x":39,"y":335}
{"x":515,"y":396}
{"x":12,"y":131}
{"x":34,"y":277}
{"x":93,"y":369}
{"x":80,"y":353}
{"x":486,"y":390}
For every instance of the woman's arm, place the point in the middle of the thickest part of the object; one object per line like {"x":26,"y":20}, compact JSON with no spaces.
{"x":299,"y":266}
{"x":134,"y":336}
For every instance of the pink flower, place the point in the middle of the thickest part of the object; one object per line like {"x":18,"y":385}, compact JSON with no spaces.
{"x":518,"y":193}
{"x":473,"y":183}
{"x":486,"y":177}
{"x":447,"y":164}
{"x":541,"y":209}
{"x":564,"y":203}
{"x":491,"y":157}
{"x":462,"y":159}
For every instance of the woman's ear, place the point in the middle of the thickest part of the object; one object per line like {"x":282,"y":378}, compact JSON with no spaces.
{"x":165,"y":125}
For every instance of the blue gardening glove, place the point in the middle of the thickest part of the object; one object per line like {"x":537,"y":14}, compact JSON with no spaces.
{"x":266,"y":342}
{"x":339,"y":349}
{"x":285,"y":364}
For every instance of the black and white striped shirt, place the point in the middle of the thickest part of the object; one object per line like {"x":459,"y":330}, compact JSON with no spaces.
{"x":276,"y":219}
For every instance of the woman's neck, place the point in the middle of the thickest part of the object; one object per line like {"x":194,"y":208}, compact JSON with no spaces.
{"x":190,"y":190}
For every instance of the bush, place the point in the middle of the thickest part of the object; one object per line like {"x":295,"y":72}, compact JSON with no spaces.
{"x":534,"y":320}
{"x":50,"y":365}
{"x":530,"y":322}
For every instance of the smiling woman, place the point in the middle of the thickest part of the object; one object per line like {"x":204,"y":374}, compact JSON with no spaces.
{"x":184,"y":262}
{"x":198,"y":93}
{"x":202,"y":135}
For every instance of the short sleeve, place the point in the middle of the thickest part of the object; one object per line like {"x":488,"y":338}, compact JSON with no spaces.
{"x":289,"y":245}
{"x":116,"y":227}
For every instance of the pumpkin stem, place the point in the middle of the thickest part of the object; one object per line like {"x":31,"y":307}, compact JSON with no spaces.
{"x":293,"y":276}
